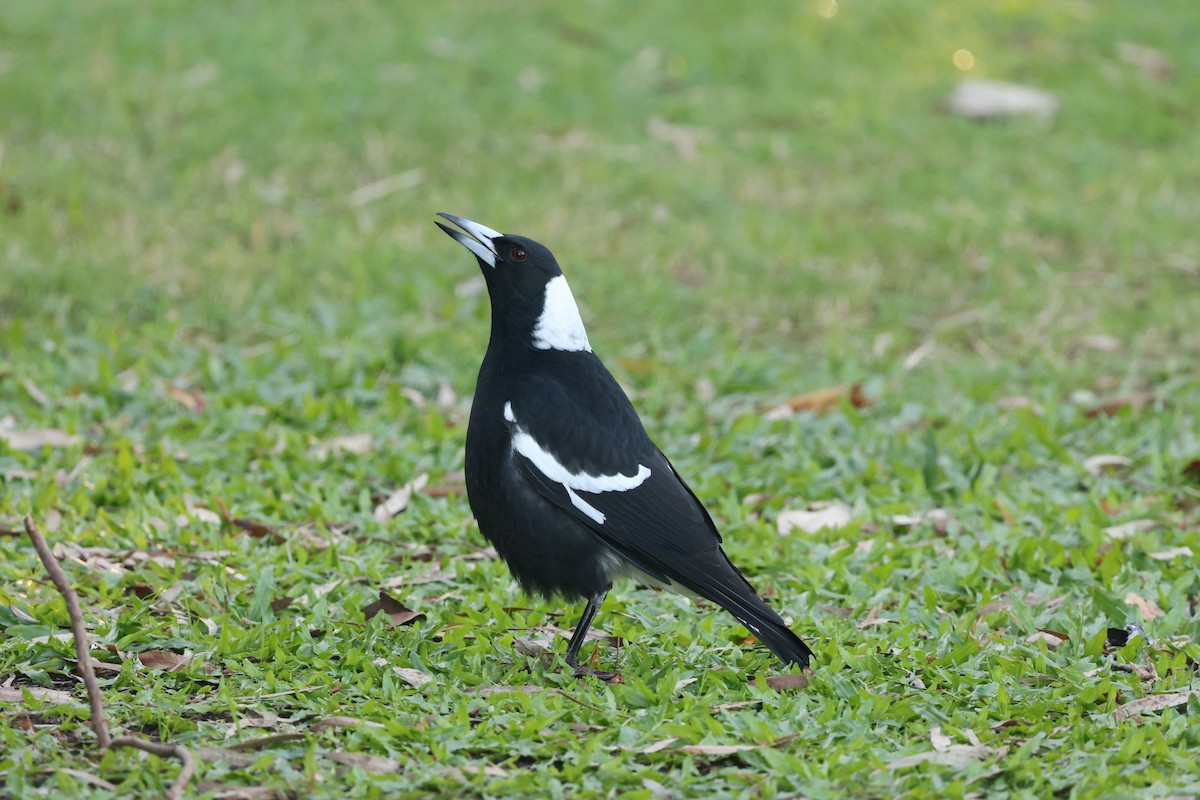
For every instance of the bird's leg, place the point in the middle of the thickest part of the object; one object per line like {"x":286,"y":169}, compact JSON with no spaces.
{"x":581,"y":629}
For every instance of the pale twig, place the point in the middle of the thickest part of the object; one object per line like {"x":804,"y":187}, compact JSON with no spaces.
{"x":86,"y":671}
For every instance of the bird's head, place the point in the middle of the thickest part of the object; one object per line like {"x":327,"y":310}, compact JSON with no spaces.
{"x":530,"y":296}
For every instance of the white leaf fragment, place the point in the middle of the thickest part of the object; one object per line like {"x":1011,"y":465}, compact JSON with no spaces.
{"x":815,"y":517}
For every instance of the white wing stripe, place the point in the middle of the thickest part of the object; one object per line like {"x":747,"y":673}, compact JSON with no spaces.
{"x":549,"y":466}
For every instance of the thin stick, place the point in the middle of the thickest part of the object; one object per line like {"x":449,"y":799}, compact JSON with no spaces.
{"x":82,"y":651}
{"x":88,"y":673}
{"x":164,"y":751}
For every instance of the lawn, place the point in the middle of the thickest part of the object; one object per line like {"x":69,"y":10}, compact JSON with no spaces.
{"x":229,"y":329}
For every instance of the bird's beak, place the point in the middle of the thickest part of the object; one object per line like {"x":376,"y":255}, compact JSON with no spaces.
{"x":478,"y":238}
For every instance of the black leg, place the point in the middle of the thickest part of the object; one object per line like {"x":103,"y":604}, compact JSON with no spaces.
{"x":585,"y":622}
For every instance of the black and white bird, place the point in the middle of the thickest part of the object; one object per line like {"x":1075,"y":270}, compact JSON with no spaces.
{"x":561,"y":475}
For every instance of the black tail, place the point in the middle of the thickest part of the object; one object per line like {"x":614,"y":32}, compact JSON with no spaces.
{"x":726,"y":587}
{"x":783,"y":643}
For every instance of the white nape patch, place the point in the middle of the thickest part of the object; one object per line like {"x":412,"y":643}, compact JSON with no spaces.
{"x":509,"y":416}
{"x":560,"y":327}
{"x":549,"y":466}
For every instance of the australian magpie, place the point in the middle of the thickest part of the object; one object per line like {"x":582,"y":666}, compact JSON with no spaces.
{"x":561,"y":475}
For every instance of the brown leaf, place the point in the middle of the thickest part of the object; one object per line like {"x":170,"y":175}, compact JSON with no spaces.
{"x":191,"y":400}
{"x":255,"y":529}
{"x":377,"y":765}
{"x":1154,"y":702}
{"x":400,"y":613}
{"x":398,"y":500}
{"x":794,"y":680}
{"x":264,"y":742}
{"x":1052,"y":639}
{"x":164,"y":660}
{"x":1148,"y":608}
{"x":1133,"y":400}
{"x":1192,"y":470}
{"x":662,"y":744}
{"x":822,"y":401}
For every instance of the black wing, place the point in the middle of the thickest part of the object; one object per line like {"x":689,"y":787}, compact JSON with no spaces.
{"x":658,"y":525}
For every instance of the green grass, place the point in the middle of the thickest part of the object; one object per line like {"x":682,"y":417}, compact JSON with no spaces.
{"x":178,"y":214}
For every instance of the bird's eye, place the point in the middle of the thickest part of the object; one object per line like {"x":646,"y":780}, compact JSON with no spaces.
{"x":518,"y":254}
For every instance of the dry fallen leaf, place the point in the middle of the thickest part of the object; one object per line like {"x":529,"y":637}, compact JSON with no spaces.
{"x":716,"y":749}
{"x":1146,"y":606}
{"x":400,"y":613}
{"x":980,"y":99}
{"x":685,"y":139}
{"x":815,"y":517}
{"x":189,"y":399}
{"x":164,"y":660}
{"x":1133,"y":400}
{"x":659,"y":745}
{"x":35,"y":393}
{"x":13,"y":694}
{"x":1127,"y":530}
{"x":413,"y":677}
{"x":1153,"y":63}
{"x":792,"y":680}
{"x":1173,"y":553}
{"x":822,"y":401}
{"x":398,"y":500}
{"x":940,"y":741}
{"x":737,"y":705}
{"x":1099,"y":464}
{"x":377,"y":765}
{"x":36,"y":438}
{"x":873,"y":618}
{"x":1052,"y":639}
{"x":938,"y":518}
{"x":1154,"y":702}
{"x":356,"y":443}
{"x":344,"y":722}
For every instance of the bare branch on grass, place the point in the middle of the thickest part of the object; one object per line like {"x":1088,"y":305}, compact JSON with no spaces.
{"x":86,"y":671}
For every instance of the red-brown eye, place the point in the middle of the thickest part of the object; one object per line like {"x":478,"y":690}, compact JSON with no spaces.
{"x":518,"y":254}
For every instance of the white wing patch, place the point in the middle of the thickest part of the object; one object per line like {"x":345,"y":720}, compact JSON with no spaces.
{"x":549,"y":466}
{"x":560,"y":327}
